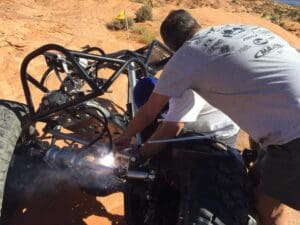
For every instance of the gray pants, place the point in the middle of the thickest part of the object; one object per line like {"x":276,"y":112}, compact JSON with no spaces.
{"x":280,"y":173}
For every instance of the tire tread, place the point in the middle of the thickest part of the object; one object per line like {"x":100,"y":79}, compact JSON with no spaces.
{"x":10,"y":130}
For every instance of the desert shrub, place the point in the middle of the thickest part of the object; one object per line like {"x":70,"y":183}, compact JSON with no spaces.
{"x":143,"y":13}
{"x":264,"y":14}
{"x":178,"y":2}
{"x":281,"y":24}
{"x":293,"y":13}
{"x":274,"y":18}
{"x":147,"y":37}
{"x":277,"y":11}
{"x":143,"y":34}
{"x":117,"y":24}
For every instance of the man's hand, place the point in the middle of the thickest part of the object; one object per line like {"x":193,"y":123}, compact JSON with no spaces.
{"x":131,"y":155}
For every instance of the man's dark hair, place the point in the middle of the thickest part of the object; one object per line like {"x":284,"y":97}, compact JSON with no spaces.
{"x":178,"y":27}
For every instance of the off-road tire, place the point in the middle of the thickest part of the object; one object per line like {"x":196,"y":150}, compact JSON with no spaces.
{"x":214,"y":189}
{"x":221,"y":194}
{"x":11,"y":115}
{"x":162,"y":209}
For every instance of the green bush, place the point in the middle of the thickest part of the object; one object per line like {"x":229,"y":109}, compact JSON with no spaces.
{"x":281,"y":24}
{"x":178,"y":2}
{"x":147,"y":37}
{"x":143,"y":34}
{"x":293,"y":13}
{"x":117,"y":24}
{"x":277,"y":11}
{"x":274,"y":18}
{"x":144,"y":13}
{"x":264,"y":14}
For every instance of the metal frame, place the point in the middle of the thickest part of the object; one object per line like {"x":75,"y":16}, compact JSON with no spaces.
{"x":132,"y":63}
{"x":118,"y":64}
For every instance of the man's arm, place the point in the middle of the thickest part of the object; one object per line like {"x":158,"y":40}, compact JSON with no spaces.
{"x":185,"y":108}
{"x":165,"y":130}
{"x":146,"y":114}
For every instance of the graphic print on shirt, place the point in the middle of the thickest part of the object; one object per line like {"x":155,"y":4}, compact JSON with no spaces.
{"x":214,"y":40}
{"x":260,"y":41}
{"x":220,"y":41}
{"x":257,"y":37}
{"x":263,"y":38}
{"x":218,"y":48}
{"x":232,"y":31}
{"x":267,"y":50}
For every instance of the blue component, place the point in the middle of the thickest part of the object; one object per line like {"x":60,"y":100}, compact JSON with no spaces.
{"x":143,"y":90}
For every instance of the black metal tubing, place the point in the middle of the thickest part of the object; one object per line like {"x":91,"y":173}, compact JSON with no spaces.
{"x":106,"y":58}
{"x":125,"y":53}
{"x":97,"y":91}
{"x":45,"y":75}
{"x":38,"y":52}
{"x":36,"y":83}
{"x":89,"y":49}
{"x":113,"y":77}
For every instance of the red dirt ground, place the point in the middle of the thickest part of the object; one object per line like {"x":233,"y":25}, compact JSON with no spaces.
{"x":28,"y":24}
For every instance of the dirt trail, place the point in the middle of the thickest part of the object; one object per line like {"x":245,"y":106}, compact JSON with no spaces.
{"x":28,"y":24}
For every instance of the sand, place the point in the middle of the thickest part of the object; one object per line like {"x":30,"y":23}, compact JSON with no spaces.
{"x":28,"y":24}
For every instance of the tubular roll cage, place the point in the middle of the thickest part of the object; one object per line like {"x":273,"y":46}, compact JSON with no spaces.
{"x":124,"y":61}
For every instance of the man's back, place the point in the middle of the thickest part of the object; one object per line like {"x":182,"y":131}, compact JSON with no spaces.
{"x":241,"y":70}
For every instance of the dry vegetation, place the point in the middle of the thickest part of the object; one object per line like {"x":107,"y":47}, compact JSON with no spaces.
{"x":286,"y":16}
{"x":141,"y":32}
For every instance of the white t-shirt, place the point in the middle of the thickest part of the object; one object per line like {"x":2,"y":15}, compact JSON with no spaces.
{"x":200,"y":116}
{"x":247,"y":72}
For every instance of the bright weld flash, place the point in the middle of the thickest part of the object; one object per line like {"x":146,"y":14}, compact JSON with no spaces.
{"x":108,"y":160}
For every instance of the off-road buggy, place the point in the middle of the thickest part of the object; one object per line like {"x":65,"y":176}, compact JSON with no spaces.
{"x":68,"y":123}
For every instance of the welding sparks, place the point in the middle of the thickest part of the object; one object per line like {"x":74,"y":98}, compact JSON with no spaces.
{"x":108,"y":160}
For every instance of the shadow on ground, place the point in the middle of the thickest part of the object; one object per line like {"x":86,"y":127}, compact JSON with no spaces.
{"x":37,"y":196}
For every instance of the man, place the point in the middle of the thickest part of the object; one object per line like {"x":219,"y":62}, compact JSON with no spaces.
{"x":187,"y":113}
{"x":253,"y":76}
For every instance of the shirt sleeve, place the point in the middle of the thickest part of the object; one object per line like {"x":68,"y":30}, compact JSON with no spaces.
{"x":176,"y":75}
{"x":185,"y":108}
